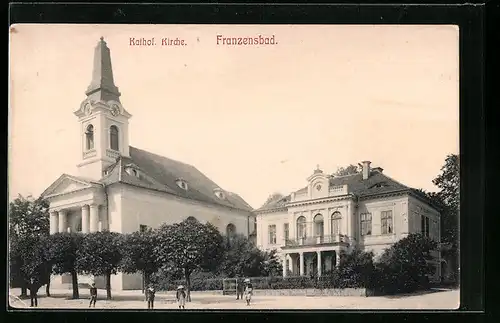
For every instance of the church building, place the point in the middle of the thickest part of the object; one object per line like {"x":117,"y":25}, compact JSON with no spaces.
{"x":124,"y":189}
{"x":369,"y":210}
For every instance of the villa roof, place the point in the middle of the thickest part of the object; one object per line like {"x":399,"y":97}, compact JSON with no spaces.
{"x":162,"y":173}
{"x":377,"y":183}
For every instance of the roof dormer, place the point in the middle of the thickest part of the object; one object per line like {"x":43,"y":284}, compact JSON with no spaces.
{"x":182,"y":183}
{"x":219,"y":193}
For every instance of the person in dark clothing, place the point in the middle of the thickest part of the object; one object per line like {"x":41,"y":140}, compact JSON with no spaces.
{"x":93,"y":295}
{"x":240,"y":287}
{"x":150,"y":296}
{"x":33,"y":287}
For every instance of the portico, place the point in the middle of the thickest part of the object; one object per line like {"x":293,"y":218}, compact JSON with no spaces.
{"x":312,"y":257}
{"x":85,"y":218}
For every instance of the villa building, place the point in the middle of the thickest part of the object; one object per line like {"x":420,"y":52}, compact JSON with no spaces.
{"x":312,"y":226}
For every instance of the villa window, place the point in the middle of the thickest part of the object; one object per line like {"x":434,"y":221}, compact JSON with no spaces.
{"x":286,"y":231}
{"x":336,"y":218}
{"x":143,"y":228}
{"x":386,"y":221}
{"x":424,"y":225}
{"x":89,"y":137}
{"x":301,"y":227}
{"x":272,"y":234}
{"x":366,"y":224}
{"x":318,"y":225}
{"x":113,"y":138}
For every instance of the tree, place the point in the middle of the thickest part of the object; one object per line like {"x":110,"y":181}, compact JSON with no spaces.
{"x":271,"y":264}
{"x":29,"y":262}
{"x":356,"y":266}
{"x":139,"y":255}
{"x":62,"y":254}
{"x":28,"y":221}
{"x":100,"y":254}
{"x":405,"y":266}
{"x":189,"y":245}
{"x":449,"y":196}
{"x":349,"y":170}
{"x":240,"y":258}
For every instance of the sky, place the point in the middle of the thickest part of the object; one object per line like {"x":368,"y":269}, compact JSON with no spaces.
{"x":254,"y":119}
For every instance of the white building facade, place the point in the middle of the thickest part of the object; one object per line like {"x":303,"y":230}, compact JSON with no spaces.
{"x":125,"y":189}
{"x":312,"y":226}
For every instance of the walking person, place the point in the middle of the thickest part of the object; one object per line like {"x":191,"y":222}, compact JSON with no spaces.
{"x":33,"y":287}
{"x":93,"y":295}
{"x":181,"y":296}
{"x":248,"y":291}
{"x":150,"y":296}
{"x":240,"y":287}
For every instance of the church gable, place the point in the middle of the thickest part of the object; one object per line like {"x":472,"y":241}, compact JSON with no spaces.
{"x":66,"y":184}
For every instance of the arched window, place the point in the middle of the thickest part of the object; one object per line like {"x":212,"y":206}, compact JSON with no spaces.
{"x":301,"y":227}
{"x":191,"y":218}
{"x":89,"y":137}
{"x":318,"y":225}
{"x":230,"y":230}
{"x":113,"y":138}
{"x":336,"y":217}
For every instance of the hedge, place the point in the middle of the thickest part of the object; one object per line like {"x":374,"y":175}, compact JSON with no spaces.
{"x":294,"y":282}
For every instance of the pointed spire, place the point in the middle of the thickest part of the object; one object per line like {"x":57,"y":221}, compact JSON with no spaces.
{"x":102,"y":86}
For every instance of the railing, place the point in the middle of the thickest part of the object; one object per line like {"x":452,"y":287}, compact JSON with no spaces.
{"x":112,"y":153}
{"x":338,"y":190}
{"x":317,"y":240}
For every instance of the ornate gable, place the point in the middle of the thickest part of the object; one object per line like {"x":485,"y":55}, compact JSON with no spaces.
{"x":66,"y":184}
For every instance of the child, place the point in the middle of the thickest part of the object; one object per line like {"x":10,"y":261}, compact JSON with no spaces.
{"x":150,"y":296}
{"x":181,"y":296}
{"x":93,"y":295}
{"x":248,"y":291}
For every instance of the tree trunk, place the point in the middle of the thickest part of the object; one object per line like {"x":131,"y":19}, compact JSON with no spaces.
{"x":74,"y":281}
{"x":47,"y":288}
{"x":188,"y":285}
{"x":108,"y":285}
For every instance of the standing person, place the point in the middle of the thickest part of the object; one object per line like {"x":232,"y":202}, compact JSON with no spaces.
{"x":150,"y":296}
{"x":93,"y":295}
{"x":33,"y":291}
{"x":248,"y":291}
{"x":181,"y":296}
{"x":239,"y":288}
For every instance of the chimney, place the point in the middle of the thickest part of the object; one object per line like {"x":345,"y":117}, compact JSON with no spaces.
{"x":366,"y":169}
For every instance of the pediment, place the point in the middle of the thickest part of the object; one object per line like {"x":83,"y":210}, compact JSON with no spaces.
{"x":66,"y":184}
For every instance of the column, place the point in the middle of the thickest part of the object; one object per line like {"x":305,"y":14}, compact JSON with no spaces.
{"x":94,"y":218}
{"x":337,"y":255}
{"x":62,"y":221}
{"x":301,"y":264}
{"x":319,"y":262}
{"x":85,"y":219}
{"x":53,"y":222}
{"x":284,"y":265}
{"x":104,"y":218}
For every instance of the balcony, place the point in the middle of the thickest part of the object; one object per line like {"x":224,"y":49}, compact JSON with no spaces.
{"x":317,"y":240}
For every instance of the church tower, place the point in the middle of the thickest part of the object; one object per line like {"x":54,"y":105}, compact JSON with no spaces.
{"x":103,"y":120}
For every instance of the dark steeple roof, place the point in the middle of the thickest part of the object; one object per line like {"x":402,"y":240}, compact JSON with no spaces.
{"x":102,"y":86}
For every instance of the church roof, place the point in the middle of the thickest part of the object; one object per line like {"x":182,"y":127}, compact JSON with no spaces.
{"x":162,"y":174}
{"x":377,"y":183}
